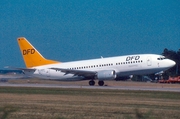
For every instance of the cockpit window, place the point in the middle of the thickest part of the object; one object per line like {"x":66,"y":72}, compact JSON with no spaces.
{"x":161,"y":58}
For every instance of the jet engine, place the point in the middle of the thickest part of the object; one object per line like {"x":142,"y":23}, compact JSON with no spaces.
{"x":106,"y":75}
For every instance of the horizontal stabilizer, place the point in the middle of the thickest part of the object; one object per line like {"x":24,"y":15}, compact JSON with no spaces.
{"x":22,"y":69}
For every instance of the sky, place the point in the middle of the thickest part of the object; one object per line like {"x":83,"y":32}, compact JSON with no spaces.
{"x":69,"y":30}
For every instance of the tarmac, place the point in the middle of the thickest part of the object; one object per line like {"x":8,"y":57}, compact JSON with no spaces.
{"x":76,"y":86}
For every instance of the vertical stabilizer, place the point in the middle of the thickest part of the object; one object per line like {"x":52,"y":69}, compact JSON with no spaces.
{"x":30,"y":55}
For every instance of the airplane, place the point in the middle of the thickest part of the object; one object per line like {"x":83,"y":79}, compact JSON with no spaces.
{"x":102,"y":69}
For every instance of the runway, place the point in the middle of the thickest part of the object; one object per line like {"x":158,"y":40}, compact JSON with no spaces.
{"x":140,"y":88}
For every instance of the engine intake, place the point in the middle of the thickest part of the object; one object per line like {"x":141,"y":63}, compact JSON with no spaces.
{"x":106,"y":75}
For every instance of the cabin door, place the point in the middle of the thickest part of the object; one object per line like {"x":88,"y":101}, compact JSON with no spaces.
{"x":149,"y":61}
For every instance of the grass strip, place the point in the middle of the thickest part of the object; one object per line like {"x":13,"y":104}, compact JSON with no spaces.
{"x":87,"y":92}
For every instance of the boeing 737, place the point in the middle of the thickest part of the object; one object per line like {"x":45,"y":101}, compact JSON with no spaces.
{"x":102,"y":69}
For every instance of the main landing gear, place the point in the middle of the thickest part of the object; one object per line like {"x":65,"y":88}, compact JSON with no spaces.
{"x":92,"y":83}
{"x":101,"y":83}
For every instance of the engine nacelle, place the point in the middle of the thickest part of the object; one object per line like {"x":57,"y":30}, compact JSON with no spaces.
{"x":106,"y":75}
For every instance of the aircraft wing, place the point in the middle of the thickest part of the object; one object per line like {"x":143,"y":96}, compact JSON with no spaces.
{"x":76,"y":72}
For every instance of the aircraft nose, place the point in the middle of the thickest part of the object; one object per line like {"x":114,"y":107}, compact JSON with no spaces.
{"x":172,"y":63}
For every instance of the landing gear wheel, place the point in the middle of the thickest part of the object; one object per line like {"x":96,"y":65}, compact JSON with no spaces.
{"x":91,"y":83}
{"x":101,"y":83}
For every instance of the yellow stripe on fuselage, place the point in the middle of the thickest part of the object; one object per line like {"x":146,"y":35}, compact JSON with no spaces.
{"x":31,"y":56}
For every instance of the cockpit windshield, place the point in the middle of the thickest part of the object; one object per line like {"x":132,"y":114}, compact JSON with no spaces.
{"x":161,"y":58}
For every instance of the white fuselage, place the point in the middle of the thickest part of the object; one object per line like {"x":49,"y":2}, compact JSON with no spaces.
{"x":123,"y":66}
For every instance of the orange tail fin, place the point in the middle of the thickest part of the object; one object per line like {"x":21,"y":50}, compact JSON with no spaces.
{"x":30,"y":55}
